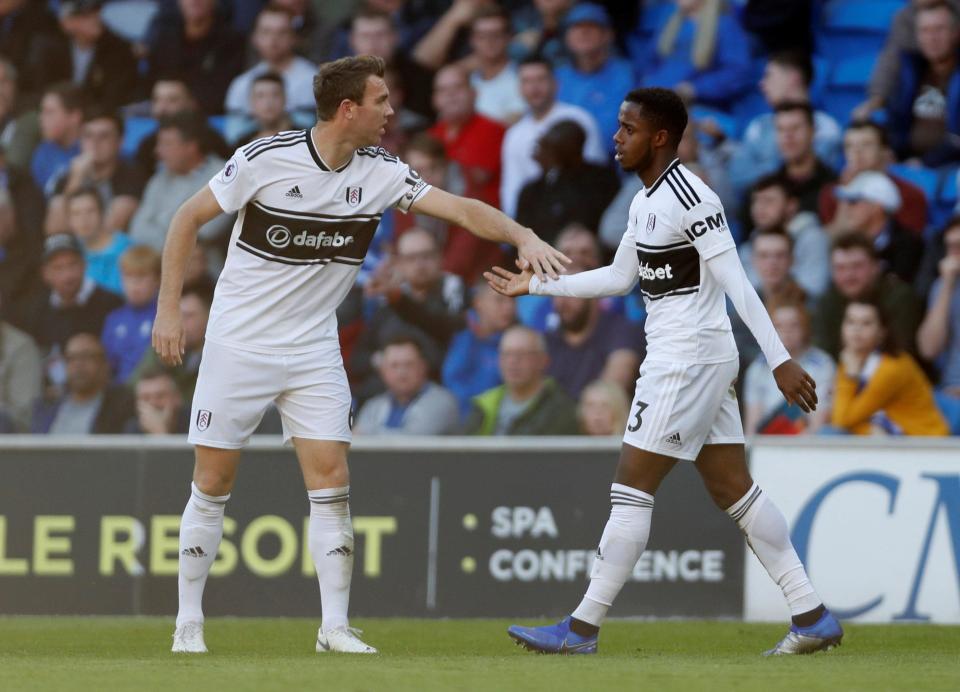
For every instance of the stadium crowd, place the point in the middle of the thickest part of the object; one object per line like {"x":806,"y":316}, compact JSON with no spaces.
{"x":830,"y":129}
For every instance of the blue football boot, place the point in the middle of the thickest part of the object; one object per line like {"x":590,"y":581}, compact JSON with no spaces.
{"x":553,"y":639}
{"x":823,"y":635}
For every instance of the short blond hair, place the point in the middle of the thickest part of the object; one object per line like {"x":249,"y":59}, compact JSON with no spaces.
{"x":140,"y":259}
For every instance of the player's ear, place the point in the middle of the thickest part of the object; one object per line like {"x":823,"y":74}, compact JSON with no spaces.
{"x":347,"y":107}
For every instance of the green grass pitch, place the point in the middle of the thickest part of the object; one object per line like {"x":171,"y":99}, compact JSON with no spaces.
{"x":44,"y":653}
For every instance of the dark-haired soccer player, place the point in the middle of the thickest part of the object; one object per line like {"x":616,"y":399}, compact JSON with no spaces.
{"x":678,"y":244}
{"x":309,"y":202}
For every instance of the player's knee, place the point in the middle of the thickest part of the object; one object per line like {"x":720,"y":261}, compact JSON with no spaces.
{"x":213,"y":481}
{"x":725,"y":492}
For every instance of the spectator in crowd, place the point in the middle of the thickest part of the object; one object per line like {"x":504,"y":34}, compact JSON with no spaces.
{"x":493,"y":74}
{"x":771,"y":262}
{"x":569,"y":190}
{"x":412,"y":404}
{"x":119,"y":183}
{"x":268,"y":106}
{"x":470,"y":139}
{"x":274,"y":41}
{"x":197,"y":44}
{"x":866,"y":148}
{"x":939,"y":337}
{"x":29,"y":34}
{"x":73,"y":303}
{"x":471,"y":364}
{"x":433,"y":51}
{"x":868,"y":205}
{"x":96,"y":59}
{"x":19,"y":126}
{"x":195,"y":301}
{"x":170,"y":96}
{"x":20,"y":377}
{"x":528,"y":402}
{"x":786,"y":78}
{"x":419,"y":300}
{"x":159,"y":406}
{"x":901,"y":39}
{"x":464,"y":254}
{"x":603,"y":409}
{"x":765,"y":410}
{"x":187,"y":167}
{"x":61,"y":116}
{"x":801,"y":165}
{"x":539,"y":89}
{"x":374,"y":32}
{"x":856,"y":273}
{"x":779,"y":24}
{"x":127,"y":330}
{"x":774,"y":204}
{"x":588,"y":344}
{"x":102,"y":247}
{"x":89,"y":405}
{"x":596,"y":78}
{"x":538,"y":28}
{"x":689,"y":57}
{"x":923,"y":117}
{"x":880,"y":390}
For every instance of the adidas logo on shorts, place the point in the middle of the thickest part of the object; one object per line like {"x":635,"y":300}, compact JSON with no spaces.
{"x":673,"y":439}
{"x":193,"y":552}
{"x":342,"y":550}
{"x":294,"y":192}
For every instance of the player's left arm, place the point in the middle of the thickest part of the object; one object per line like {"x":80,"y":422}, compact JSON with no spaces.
{"x":489,"y":223}
{"x":705,"y":226}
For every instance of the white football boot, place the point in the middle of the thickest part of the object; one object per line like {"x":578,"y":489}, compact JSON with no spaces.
{"x":342,"y":640}
{"x":188,"y":639}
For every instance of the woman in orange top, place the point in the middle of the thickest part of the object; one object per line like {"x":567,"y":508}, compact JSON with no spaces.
{"x":880,"y":389}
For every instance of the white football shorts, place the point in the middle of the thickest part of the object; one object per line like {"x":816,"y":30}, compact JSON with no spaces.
{"x":679,"y":407}
{"x":235,"y":387}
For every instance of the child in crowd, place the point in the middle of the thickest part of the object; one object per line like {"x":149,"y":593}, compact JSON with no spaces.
{"x":127,"y":330}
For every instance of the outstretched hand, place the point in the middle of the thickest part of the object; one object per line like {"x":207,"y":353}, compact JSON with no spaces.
{"x":507,"y":283}
{"x":796,"y":385}
{"x":540,"y":258}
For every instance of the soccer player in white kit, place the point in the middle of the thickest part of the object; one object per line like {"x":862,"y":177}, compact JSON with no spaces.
{"x":677,"y":243}
{"x":309,"y":202}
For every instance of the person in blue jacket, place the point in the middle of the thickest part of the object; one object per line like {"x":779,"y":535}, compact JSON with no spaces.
{"x":596,"y":77}
{"x":702,"y":53}
{"x":923,"y":112}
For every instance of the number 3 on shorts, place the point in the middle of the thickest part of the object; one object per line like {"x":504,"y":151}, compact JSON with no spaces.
{"x":641,"y":407}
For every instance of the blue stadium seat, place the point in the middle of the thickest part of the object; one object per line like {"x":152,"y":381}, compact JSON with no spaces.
{"x":726,"y":122}
{"x":846,"y":85}
{"x":926,"y":179}
{"x":135,"y":129}
{"x":218,"y":123}
{"x":855,"y":26}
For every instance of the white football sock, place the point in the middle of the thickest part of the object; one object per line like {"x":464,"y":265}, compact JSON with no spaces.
{"x":331,"y":545}
{"x":768,"y":537}
{"x":201,"y":529}
{"x":621,"y":545}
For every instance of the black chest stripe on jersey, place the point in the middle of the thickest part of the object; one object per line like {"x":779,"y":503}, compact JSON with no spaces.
{"x":280,"y":238}
{"x":669,"y":271}
{"x":681,"y":196}
{"x":276,"y":145}
{"x":265,"y":142}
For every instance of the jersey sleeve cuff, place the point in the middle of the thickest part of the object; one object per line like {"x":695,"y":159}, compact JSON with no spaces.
{"x":717,"y":250}
{"x":412,"y":195}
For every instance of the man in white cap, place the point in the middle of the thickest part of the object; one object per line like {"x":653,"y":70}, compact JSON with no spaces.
{"x":868,"y":205}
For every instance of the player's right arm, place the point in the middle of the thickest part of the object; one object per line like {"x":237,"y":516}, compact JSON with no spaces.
{"x":616,"y":279}
{"x":168,"y":337}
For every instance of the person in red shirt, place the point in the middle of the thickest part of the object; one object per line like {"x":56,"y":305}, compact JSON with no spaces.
{"x":470,"y":139}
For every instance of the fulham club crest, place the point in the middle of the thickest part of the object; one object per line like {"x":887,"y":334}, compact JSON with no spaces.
{"x":203,"y":419}
{"x":651,"y":222}
{"x":354,"y":195}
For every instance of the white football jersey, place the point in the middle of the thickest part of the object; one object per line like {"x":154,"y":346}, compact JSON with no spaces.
{"x":674,"y":226}
{"x":299,"y":240}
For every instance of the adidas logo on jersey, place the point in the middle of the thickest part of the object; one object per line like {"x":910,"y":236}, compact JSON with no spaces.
{"x":673,"y":439}
{"x":649,"y":273}
{"x":294,"y":192}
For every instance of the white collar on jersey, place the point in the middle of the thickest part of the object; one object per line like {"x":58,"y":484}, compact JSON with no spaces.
{"x":653,"y":188}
